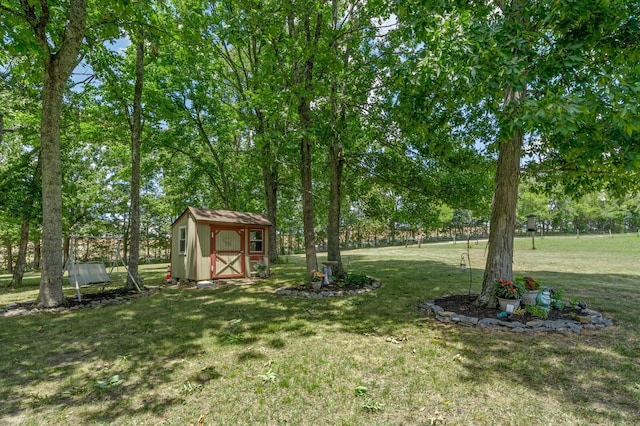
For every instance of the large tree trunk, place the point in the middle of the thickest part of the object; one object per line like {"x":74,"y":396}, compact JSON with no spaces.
{"x":505,"y":197}
{"x":57,"y":69}
{"x":304,"y":79}
{"x":136,"y":137}
{"x":336,"y":158}
{"x":51,"y":280}
{"x":503,"y":210}
{"x":336,"y":164}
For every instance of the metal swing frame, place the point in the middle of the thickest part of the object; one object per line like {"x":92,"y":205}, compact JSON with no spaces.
{"x":93,"y":273}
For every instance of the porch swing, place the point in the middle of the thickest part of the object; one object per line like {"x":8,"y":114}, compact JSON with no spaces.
{"x":94,"y":272}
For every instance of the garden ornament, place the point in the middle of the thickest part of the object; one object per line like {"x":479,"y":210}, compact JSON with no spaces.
{"x":544,"y":299}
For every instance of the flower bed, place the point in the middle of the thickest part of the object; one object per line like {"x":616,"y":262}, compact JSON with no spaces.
{"x":459,"y":309}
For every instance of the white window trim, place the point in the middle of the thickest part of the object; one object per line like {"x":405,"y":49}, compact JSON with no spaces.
{"x":182,"y":238}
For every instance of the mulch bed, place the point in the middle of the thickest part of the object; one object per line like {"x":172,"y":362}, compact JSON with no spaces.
{"x":325,"y":287}
{"x":88,"y":299}
{"x":463,"y":304}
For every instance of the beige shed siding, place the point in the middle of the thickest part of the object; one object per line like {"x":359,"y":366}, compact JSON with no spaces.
{"x":180,"y":262}
{"x":195,"y":264}
{"x":202,"y":252}
{"x":227,"y":239}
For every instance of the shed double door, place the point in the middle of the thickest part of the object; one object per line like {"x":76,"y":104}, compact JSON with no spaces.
{"x":227,"y":252}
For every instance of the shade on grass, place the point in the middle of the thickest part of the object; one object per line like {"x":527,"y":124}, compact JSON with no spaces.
{"x":241,"y":355}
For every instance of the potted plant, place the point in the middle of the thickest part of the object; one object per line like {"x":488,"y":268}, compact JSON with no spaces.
{"x":261,"y":269}
{"x":316,"y":279}
{"x":531,"y":287}
{"x":508,"y":293}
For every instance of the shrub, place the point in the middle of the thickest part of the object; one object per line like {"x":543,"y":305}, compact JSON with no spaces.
{"x":356,"y":280}
{"x":556,"y":298}
{"x":537,"y":311}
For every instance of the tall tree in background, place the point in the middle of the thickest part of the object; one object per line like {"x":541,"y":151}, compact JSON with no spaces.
{"x":32,"y":200}
{"x":553,"y":56}
{"x":350,"y":80}
{"x":515,"y":23}
{"x":426,"y":157}
{"x":305,"y":26}
{"x":249,"y":69}
{"x":135,"y":123}
{"x":20,"y":186}
{"x":206,"y":95}
{"x":58,"y":33}
{"x":124,"y":79}
{"x":20,"y":175}
{"x":521,"y":62}
{"x":329,"y":46}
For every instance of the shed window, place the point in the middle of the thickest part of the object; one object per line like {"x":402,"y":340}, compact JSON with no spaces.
{"x":256,"y":244}
{"x":182,"y":240}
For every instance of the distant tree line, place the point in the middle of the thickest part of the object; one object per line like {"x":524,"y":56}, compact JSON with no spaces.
{"x":344,"y":122}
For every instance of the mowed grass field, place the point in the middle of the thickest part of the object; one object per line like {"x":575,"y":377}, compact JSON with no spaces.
{"x":239,"y":355}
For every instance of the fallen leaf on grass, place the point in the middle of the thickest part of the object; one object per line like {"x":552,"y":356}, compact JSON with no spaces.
{"x":397,"y":340}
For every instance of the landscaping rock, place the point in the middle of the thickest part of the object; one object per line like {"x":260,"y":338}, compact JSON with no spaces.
{"x":464,"y":320}
{"x":584,"y":319}
{"x":205,"y":284}
{"x":323,"y":292}
{"x":94,"y":301}
{"x":595,"y":321}
{"x":489,"y":323}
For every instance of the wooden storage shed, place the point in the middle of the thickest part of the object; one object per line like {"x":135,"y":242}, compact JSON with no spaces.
{"x":212,"y":244}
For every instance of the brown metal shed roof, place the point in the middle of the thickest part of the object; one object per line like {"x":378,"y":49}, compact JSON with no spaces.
{"x":228,"y":216}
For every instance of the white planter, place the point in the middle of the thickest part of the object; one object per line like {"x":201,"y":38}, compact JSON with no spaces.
{"x":504,"y":302}
{"x":529,"y":297}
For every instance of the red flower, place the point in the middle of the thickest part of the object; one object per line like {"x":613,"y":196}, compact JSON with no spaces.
{"x":508,"y":289}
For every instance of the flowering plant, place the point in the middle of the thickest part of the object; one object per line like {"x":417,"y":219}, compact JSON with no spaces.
{"x":507,"y":289}
{"x":529,"y":283}
{"x":316,"y":276}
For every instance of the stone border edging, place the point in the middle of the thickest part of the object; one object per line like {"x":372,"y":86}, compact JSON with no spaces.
{"x":311,"y":294}
{"x":29,"y":308}
{"x":597,"y":321}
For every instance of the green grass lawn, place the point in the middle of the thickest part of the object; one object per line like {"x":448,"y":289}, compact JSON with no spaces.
{"x":239,"y":355}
